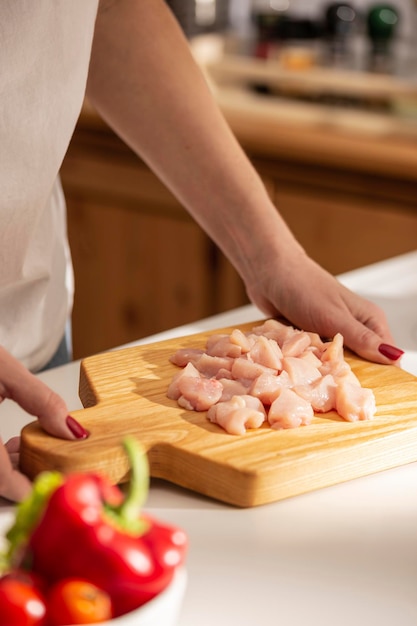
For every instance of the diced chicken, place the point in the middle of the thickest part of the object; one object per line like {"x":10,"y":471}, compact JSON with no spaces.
{"x":333,"y":350}
{"x":254,"y":403}
{"x":321,"y":393}
{"x":231,"y":388}
{"x":209,"y":366}
{"x":222,"y":346}
{"x":333,"y":359}
{"x":289,"y":411}
{"x":238,"y":414}
{"x":311,"y":358}
{"x":222,"y":374}
{"x":354,"y":402}
{"x":199,"y":394}
{"x":189,"y":371}
{"x":241,"y":340}
{"x":274,"y":330}
{"x":266,"y":352}
{"x":244,"y":369}
{"x":296,"y":344}
{"x":291,"y":372}
{"x":186,"y":355}
{"x":348,"y":376}
{"x":316,"y":341}
{"x":267,"y":387}
{"x":300,"y":371}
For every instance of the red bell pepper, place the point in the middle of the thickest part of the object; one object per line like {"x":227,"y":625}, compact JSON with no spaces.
{"x":89,"y":528}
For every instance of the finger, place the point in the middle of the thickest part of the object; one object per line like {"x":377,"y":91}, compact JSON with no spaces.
{"x":35,"y":397}
{"x":370,"y":339}
{"x":13,"y":448}
{"x":368,"y":345}
{"x":13,"y":445}
{"x":366,"y":331}
{"x":13,"y":485}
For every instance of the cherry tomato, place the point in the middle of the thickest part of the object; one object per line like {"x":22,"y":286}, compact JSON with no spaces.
{"x":27,"y":577}
{"x":21,"y":603}
{"x":76,"y":601}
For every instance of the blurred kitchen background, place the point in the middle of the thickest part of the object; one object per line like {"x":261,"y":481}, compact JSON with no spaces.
{"x":352,"y":33}
{"x":322,"y":97}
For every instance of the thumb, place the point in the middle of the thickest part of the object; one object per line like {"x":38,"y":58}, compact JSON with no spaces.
{"x":13,"y":485}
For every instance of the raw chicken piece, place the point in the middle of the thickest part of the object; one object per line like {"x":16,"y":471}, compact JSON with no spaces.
{"x":311,"y":358}
{"x":354,"y":402}
{"x":254,"y":403}
{"x":333,"y":358}
{"x":186,"y":355}
{"x":173,"y":390}
{"x":241,"y":340}
{"x":231,"y":388}
{"x":199,"y":394}
{"x":316,"y":341}
{"x":267,"y":387}
{"x":266,"y":352}
{"x":321,"y":393}
{"x":221,"y":345}
{"x":222,"y":374}
{"x":300,"y":371}
{"x":238,"y":414}
{"x":274,"y":330}
{"x":209,"y":366}
{"x":349,"y":377}
{"x":296,"y":344}
{"x":289,"y":411}
{"x":243,"y":369}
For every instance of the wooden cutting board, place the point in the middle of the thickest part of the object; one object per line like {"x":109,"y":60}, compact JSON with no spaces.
{"x":124,"y":392}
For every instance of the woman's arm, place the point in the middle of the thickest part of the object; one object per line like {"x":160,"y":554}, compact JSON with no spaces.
{"x":145,"y":83}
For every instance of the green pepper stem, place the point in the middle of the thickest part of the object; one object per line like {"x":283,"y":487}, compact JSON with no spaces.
{"x":127,"y":514}
{"x":28,"y":514}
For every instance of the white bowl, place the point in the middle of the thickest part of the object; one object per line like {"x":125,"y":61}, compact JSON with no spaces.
{"x":163,"y":610}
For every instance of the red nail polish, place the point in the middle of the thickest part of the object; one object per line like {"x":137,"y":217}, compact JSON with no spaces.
{"x":391,"y":352}
{"x":75,"y":427}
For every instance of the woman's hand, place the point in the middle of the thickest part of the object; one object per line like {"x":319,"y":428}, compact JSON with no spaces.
{"x":312,"y":299}
{"x":18,"y":384}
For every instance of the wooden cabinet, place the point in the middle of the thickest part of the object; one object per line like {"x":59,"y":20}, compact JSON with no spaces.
{"x":344,"y":219}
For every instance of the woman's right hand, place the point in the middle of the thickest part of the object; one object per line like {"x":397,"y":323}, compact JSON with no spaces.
{"x":35,"y":397}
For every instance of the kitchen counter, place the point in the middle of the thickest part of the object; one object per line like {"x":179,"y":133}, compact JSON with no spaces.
{"x":342,"y":555}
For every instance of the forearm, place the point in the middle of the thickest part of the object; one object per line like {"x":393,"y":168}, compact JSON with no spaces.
{"x":145,"y":83}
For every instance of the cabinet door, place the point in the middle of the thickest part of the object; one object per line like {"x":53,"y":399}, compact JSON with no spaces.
{"x":344,"y":220}
{"x":347,"y":236}
{"x":141,"y":264}
{"x":135,"y":275}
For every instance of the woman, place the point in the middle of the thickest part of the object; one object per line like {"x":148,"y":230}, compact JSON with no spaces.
{"x":134,"y":63}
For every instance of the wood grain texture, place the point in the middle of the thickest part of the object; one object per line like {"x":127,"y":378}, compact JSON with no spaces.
{"x":124,"y":392}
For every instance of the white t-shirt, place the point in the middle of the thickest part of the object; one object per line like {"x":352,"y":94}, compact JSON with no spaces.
{"x":45,"y":47}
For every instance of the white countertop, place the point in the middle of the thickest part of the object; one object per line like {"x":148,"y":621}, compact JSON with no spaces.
{"x":342,"y":555}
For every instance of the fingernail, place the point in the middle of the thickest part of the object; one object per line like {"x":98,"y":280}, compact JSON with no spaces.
{"x":391,"y":352}
{"x":75,"y":427}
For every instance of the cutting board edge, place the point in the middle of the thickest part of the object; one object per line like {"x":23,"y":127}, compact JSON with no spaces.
{"x":245,"y":488}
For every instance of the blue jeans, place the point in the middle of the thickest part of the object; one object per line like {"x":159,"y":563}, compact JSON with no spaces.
{"x":63,"y":354}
